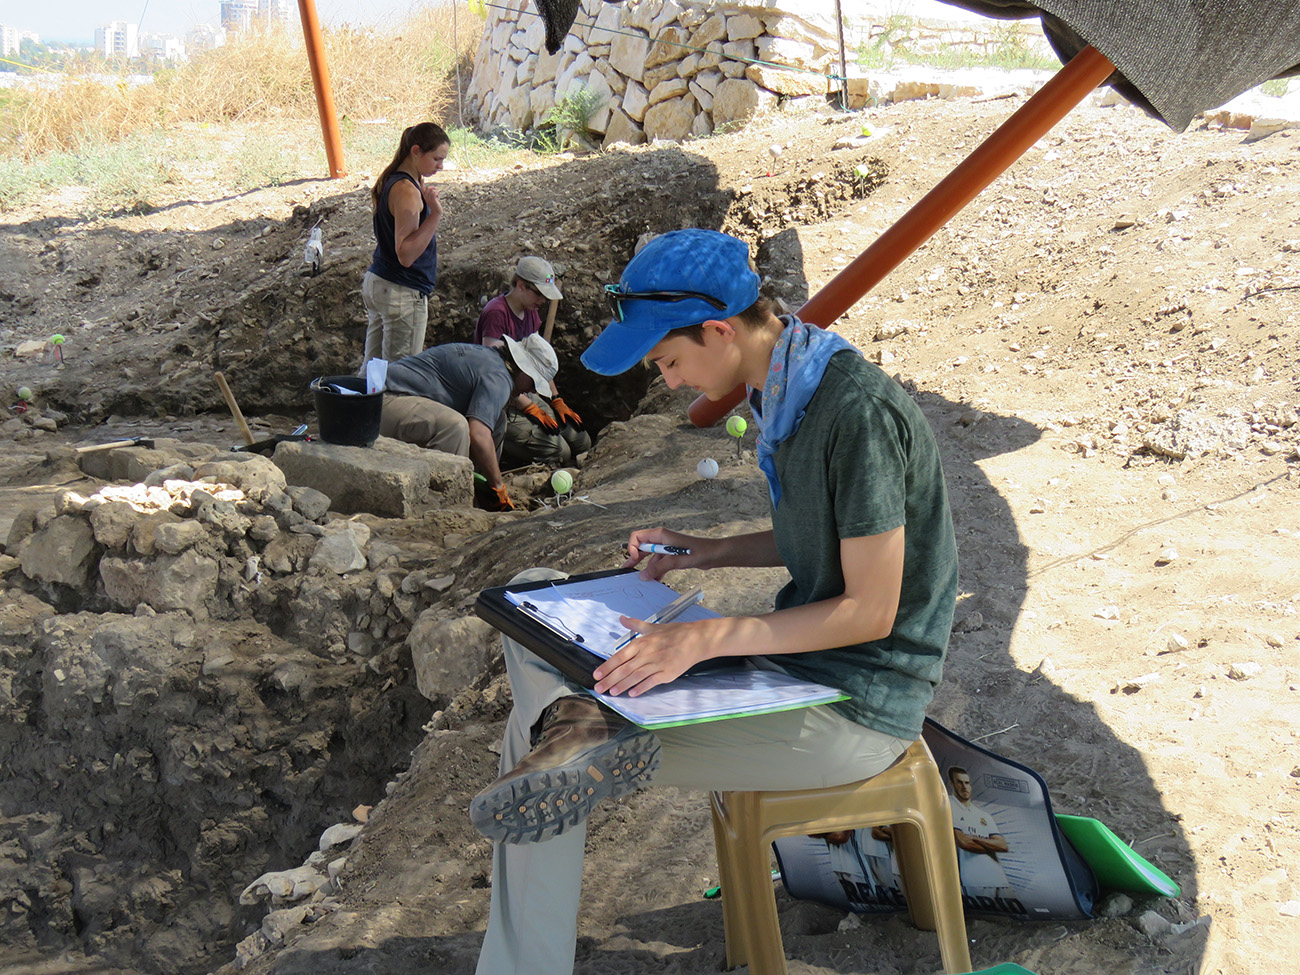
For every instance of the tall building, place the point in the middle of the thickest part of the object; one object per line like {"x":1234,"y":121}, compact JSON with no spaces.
{"x":237,"y":15}
{"x":205,"y":37}
{"x":117,"y":39}
{"x":274,"y":11}
{"x":10,"y":40}
{"x":165,"y":47}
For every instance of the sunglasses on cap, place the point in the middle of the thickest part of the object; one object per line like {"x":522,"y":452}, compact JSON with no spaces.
{"x":615,"y":297}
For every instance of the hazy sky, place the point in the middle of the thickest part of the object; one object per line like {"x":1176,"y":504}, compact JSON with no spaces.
{"x":75,"y":20}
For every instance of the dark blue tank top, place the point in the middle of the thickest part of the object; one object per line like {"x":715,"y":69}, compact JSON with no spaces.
{"x":423,"y":272}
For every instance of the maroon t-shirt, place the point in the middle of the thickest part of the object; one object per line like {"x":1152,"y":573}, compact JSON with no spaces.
{"x":496,"y":321}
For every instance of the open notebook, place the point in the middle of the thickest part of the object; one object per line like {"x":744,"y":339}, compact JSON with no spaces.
{"x":573,"y":624}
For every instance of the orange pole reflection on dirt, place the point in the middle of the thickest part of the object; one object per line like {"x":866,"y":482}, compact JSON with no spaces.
{"x":1069,"y":86}
{"x":320,"y":79}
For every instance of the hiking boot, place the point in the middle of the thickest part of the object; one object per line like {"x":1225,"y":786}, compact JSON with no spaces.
{"x":582,"y":753}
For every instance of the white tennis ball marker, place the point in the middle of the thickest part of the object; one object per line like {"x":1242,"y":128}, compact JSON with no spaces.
{"x":707,"y":468}
{"x":562,"y":482}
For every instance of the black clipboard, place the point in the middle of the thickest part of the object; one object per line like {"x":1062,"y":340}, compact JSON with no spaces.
{"x":551,"y":644}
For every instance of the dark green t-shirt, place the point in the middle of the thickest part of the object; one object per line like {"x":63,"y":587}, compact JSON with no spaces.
{"x":863,"y":462}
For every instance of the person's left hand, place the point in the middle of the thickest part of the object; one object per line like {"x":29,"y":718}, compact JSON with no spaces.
{"x":564,"y":413}
{"x":660,"y":655}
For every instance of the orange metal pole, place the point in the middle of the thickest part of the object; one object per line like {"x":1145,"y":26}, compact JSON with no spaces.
{"x":320,"y":79}
{"x":1069,"y":86}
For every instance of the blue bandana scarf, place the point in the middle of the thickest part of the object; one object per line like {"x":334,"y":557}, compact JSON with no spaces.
{"x":798,"y":362}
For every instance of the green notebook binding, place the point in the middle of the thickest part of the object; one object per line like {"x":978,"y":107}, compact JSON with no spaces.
{"x":1116,"y":864}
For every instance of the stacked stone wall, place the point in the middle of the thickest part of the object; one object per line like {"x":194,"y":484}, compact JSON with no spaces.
{"x":666,"y":70}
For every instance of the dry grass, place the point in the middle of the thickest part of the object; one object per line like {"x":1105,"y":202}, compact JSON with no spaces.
{"x":403,"y":74}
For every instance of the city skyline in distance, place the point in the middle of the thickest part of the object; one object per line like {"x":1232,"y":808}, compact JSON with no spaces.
{"x":74,"y":21}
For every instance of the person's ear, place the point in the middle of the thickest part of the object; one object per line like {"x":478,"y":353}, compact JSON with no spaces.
{"x":725,"y":330}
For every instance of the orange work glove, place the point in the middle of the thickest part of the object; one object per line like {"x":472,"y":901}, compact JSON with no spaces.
{"x":540,"y":417}
{"x":564,"y":413}
{"x":501,"y":499}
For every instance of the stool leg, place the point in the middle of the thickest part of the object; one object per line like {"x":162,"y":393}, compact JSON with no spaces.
{"x":752,"y":889}
{"x":733,"y":920}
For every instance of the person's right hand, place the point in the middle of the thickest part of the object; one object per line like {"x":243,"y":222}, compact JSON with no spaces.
{"x":540,"y":417}
{"x":658,"y":566}
{"x":430,"y":194}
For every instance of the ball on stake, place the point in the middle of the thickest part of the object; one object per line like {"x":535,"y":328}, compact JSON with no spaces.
{"x":24,"y":393}
{"x":561,"y":482}
{"x":737,"y":425}
{"x":707,"y":468}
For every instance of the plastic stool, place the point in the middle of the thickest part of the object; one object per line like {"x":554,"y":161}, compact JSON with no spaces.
{"x":908,"y":796}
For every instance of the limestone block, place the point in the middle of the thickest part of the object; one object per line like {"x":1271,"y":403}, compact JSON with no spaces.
{"x":342,"y":548}
{"x":602,"y":99}
{"x":520,"y":107}
{"x":501,"y":35}
{"x":733,"y":69}
{"x":906,"y":91}
{"x":145,"y":530}
{"x":692,"y":17}
{"x":542,"y":100}
{"x":712,"y":29}
{"x":447,"y":655}
{"x":786,"y":82}
{"x":635,"y":101}
{"x":743,"y":26}
{"x":628,"y":53}
{"x":667,"y":46}
{"x":187,"y":581}
{"x":308,"y":502}
{"x":574,"y":74}
{"x":702,"y":95}
{"x":671,"y":120}
{"x":112,"y":523}
{"x":710,"y":59}
{"x":641,"y":15}
{"x":656,"y":76}
{"x":547,"y":66}
{"x":950,"y":91}
{"x":809,"y":24}
{"x":63,"y":551}
{"x":608,"y":19}
{"x":450,"y":476}
{"x":617,"y":83}
{"x":739,"y":100}
{"x":358,"y":478}
{"x":575,"y":43}
{"x":668,"y":14}
{"x":622,"y":129}
{"x":175,"y":537}
{"x":688,"y":66}
{"x":255,"y":475}
{"x":534,"y":38}
{"x":524,"y":72}
{"x":738,"y":49}
{"x":702,"y":125}
{"x":709,"y":80}
{"x":672,"y":88}
{"x":797,"y":54}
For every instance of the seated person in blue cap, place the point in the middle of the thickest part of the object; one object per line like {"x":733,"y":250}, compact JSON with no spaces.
{"x":453,"y":398}
{"x":859,"y":518}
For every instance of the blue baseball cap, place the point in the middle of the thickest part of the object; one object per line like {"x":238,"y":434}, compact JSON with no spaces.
{"x":707,"y":263}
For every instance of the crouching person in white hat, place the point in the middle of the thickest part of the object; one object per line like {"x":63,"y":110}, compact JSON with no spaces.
{"x":453,"y":398}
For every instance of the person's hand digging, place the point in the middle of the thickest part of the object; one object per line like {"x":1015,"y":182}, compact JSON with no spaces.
{"x":564,"y":413}
{"x":540,"y":417}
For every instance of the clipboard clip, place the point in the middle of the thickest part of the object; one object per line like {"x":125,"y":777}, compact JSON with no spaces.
{"x":552,"y":623}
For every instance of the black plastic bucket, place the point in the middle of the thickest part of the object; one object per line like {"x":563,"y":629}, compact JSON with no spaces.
{"x":344,"y":419}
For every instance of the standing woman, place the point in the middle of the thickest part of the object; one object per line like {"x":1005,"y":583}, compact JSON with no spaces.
{"x":402,"y":272}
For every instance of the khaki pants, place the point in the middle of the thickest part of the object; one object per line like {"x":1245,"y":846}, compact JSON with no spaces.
{"x":532,"y":928}
{"x":527,"y":443}
{"x":396,"y":320}
{"x":425,"y":423}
